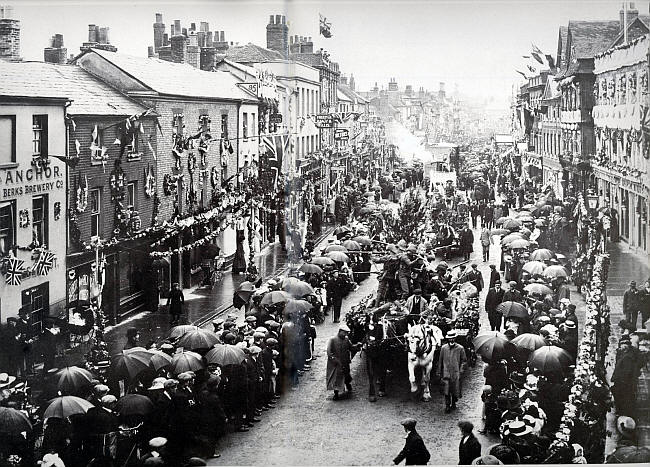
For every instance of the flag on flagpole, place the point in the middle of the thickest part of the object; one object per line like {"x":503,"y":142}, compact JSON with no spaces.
{"x":325,"y":27}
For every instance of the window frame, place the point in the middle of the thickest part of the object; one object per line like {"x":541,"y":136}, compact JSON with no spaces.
{"x":244,"y":127}
{"x":12,"y":230}
{"x":100,"y":139}
{"x":224,"y":126}
{"x":132,"y":193}
{"x":44,"y":221}
{"x":95,"y":215}
{"x":12,"y":120}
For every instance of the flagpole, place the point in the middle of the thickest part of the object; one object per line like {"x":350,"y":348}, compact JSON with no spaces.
{"x":624,"y":22}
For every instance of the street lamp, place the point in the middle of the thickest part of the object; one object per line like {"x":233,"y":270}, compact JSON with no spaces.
{"x":592,"y":200}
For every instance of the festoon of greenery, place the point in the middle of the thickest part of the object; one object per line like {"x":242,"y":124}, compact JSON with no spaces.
{"x":407,"y":224}
{"x":584,"y":418}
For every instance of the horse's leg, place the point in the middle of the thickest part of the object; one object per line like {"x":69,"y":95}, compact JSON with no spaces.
{"x":412,"y":361}
{"x":426,"y":375}
{"x":371,"y":377}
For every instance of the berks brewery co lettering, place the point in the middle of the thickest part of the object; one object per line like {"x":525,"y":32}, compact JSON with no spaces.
{"x":20,"y":182}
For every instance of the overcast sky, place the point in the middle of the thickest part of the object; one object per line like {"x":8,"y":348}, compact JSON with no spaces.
{"x":474,"y":44}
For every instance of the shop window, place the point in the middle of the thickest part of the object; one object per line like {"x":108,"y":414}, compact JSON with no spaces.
{"x":7,"y":226}
{"x":245,"y":125}
{"x":40,"y":220}
{"x":131,"y":195}
{"x":7,"y":139}
{"x":39,"y":135}
{"x":37,"y":301}
{"x":95,"y":212}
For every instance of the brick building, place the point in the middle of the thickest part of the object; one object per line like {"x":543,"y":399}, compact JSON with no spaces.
{"x":9,"y":35}
{"x":191,"y":172}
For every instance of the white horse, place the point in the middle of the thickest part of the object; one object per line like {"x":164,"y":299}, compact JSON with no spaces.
{"x":423,"y":339}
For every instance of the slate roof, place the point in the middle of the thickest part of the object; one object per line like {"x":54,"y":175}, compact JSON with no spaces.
{"x":251,"y":53}
{"x":176,"y":79}
{"x":341,"y":96}
{"x":89,"y":96}
{"x":591,"y":37}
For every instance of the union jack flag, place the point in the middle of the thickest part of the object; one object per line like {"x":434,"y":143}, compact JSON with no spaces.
{"x":45,"y":263}
{"x":15,"y":269}
{"x":276,"y":146}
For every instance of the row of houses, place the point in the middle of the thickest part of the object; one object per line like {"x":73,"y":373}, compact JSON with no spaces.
{"x":582,"y":120}
{"x":120,"y":174}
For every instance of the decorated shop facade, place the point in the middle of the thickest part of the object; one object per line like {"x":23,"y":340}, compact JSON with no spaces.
{"x":32,"y":205}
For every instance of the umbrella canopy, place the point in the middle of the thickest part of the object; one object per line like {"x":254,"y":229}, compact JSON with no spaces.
{"x":225,"y":354}
{"x":66,"y":406}
{"x":296,"y":287}
{"x":71,"y":379}
{"x":297,"y":306}
{"x":131,"y":362}
{"x":198,"y":339}
{"x":309,"y":268}
{"x":554,"y":312}
{"x":529,"y":341}
{"x":323,"y":261}
{"x":501,"y":220}
{"x":542,"y":254}
{"x":550,"y":359}
{"x":276,"y":296}
{"x":178,"y":331}
{"x":493,"y":346}
{"x":629,"y":455}
{"x":538,"y":289}
{"x":519,"y":244}
{"x":245,"y":290}
{"x":343,"y":229}
{"x":525,"y":219}
{"x":134,"y":404}
{"x":555,"y":271}
{"x":540,"y":222}
{"x":362,"y":240}
{"x":511,"y":238}
{"x":338,"y":256}
{"x":543,"y":209}
{"x":560,"y":257}
{"x":512,"y":224}
{"x":331,"y":248}
{"x":186,"y":361}
{"x":351,"y":245}
{"x":470,"y":290}
{"x":159,"y":360}
{"x":13,"y":422}
{"x":522,"y":214}
{"x":525,"y":232}
{"x":500,"y":231}
{"x":366,"y":210}
{"x":534,"y":267}
{"x":511,"y":309}
{"x":529,"y":207}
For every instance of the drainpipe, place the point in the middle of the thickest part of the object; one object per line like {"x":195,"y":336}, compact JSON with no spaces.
{"x":67,"y":187}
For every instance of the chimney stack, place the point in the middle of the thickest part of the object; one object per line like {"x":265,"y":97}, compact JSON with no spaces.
{"x":306,"y":46}
{"x":150,"y":52}
{"x":55,"y":53}
{"x":277,"y":35}
{"x":351,"y":80}
{"x":632,"y":14}
{"x":343,"y":80}
{"x":179,"y":48}
{"x":92,"y":33}
{"x":208,"y":58}
{"x":158,"y":33}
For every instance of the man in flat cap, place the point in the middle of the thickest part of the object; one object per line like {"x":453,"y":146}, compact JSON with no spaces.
{"x":414,"y":451}
{"x":339,"y":354}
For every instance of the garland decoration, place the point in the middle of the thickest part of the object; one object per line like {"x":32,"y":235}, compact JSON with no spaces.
{"x":82,"y":194}
{"x":149,"y":181}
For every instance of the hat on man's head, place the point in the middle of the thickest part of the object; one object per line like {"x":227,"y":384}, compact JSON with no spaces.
{"x":633,"y":283}
{"x":474,"y":265}
{"x":344,"y":327}
{"x":493,"y":266}
{"x":409,"y":423}
{"x":570,"y":324}
{"x":271,"y":341}
{"x":417,"y":291}
{"x":218,"y":321}
{"x":392,"y":248}
{"x":512,"y":284}
{"x":231,"y":317}
{"x":517,"y":428}
{"x":402,"y":245}
{"x":6,"y":380}
{"x":157,"y":442}
{"x":100,"y":390}
{"x":254,"y":350}
{"x":625,"y":425}
{"x":108,"y":399}
{"x":487,"y":459}
{"x":412,"y":248}
{"x":450,"y":334}
{"x":251,"y":319}
{"x":170,"y":383}
{"x":166,"y":346}
{"x":158,"y":383}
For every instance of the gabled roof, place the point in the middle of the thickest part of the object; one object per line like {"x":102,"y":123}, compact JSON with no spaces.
{"x":251,"y":53}
{"x":341,"y":96}
{"x":89,"y":95}
{"x":640,"y":26}
{"x":588,"y":38}
{"x":352,"y":95}
{"x":551,"y":90}
{"x":174,"y":79}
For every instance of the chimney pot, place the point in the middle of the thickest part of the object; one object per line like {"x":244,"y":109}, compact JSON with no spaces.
{"x":284,"y":20}
{"x":159,"y":18}
{"x":222,"y":36}
{"x":271,"y":18}
{"x":278,"y":19}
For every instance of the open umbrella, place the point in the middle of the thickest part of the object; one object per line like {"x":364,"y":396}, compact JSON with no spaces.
{"x":71,"y":379}
{"x":522,"y":214}
{"x":13,"y":422}
{"x":554,"y":312}
{"x":342,"y":231}
{"x":493,"y":346}
{"x":198,"y":339}
{"x":550,"y":359}
{"x":519,"y":244}
{"x":542,"y":254}
{"x":500,"y":231}
{"x":309,"y":268}
{"x":323,"y":261}
{"x":529,"y":341}
{"x":544,"y":209}
{"x":178,"y":331}
{"x":331,"y":248}
{"x":159,"y":360}
{"x":538,"y":289}
{"x":540,"y":222}
{"x":134,"y":404}
{"x":296,"y":287}
{"x":552,"y":272}
{"x":512,"y":224}
{"x":560,"y":257}
{"x":366,"y":210}
{"x":510,"y":309}
{"x":338,"y":256}
{"x":225,"y":354}
{"x":534,"y":267}
{"x":528,"y":207}
{"x":511,"y":238}
{"x":351,"y":245}
{"x":525,"y":219}
{"x":66,"y":406}
{"x":629,"y":455}
{"x":130,"y":362}
{"x":501,"y":220}
{"x":276,"y":296}
{"x":186,"y":361}
{"x":245,"y":290}
{"x":362,"y":240}
{"x":297,"y":306}
{"x":525,"y":232}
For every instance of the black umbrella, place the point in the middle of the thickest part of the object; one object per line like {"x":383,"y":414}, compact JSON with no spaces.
{"x":511,"y":309}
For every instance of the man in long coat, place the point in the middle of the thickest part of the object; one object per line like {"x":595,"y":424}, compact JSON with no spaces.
{"x":493,"y":299}
{"x":466,"y":242}
{"x":339,"y":354}
{"x":452,"y":360}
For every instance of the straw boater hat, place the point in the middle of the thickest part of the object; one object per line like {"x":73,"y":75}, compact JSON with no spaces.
{"x":6,"y":380}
